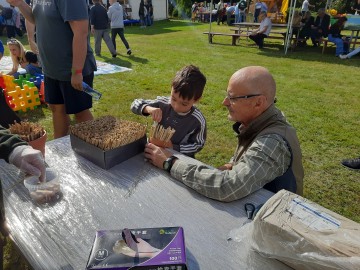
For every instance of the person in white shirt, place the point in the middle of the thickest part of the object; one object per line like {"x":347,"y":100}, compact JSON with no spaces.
{"x":263,"y":31}
{"x":305,"y":7}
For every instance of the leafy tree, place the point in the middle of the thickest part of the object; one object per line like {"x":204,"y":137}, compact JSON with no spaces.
{"x":183,"y":7}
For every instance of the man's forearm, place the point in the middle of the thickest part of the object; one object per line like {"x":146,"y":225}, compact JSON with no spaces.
{"x":26,"y":11}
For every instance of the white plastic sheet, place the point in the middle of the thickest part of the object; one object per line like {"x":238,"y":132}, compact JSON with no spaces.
{"x":129,"y":195}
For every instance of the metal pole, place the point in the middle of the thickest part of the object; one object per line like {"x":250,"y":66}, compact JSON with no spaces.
{"x":211,"y":8}
{"x":289,"y":27}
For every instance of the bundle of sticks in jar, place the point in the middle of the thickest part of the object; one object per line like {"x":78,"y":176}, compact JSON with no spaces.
{"x":28,"y":131}
{"x":108,"y":132}
{"x":161,"y":136}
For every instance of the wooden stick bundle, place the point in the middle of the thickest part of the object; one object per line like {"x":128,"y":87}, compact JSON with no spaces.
{"x":107,"y":132}
{"x":28,"y":131}
{"x":160,"y":133}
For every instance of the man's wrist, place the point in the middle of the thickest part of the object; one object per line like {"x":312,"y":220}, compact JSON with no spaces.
{"x":76,"y":71}
{"x":168,"y":163}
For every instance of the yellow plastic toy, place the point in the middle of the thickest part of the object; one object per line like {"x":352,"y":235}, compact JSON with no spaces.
{"x":23,"y":99}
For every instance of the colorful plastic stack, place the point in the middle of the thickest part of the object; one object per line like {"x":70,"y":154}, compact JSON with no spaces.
{"x":24,"y":99}
{"x":22,"y":93}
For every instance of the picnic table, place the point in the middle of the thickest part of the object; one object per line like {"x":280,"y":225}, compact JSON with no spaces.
{"x":132,"y":194}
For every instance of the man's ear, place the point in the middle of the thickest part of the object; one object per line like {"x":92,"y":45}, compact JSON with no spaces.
{"x":261,"y":101}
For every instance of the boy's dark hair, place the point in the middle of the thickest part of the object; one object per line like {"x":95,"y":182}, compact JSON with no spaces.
{"x":189,"y":82}
{"x":31,"y":57}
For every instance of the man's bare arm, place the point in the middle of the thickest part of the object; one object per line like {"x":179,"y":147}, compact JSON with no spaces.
{"x":24,"y":8}
{"x":79,"y":48}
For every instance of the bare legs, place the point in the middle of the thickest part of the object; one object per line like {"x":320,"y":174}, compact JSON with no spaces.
{"x":61,"y":120}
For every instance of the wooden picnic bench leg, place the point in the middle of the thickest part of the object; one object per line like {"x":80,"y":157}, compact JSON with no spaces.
{"x":234,"y":38}
{"x":210,"y":38}
{"x":324,"y":46}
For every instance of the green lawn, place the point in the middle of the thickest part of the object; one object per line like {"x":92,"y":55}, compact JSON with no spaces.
{"x":319,"y":94}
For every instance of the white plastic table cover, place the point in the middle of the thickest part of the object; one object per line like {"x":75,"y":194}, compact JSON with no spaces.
{"x":130,"y":195}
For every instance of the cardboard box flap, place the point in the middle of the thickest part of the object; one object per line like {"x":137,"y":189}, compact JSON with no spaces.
{"x":305,"y":235}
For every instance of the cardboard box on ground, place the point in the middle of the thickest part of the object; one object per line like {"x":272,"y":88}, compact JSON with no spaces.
{"x":305,"y":235}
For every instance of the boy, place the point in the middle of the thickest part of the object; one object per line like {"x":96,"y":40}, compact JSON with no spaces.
{"x":178,"y":111}
{"x":34,"y":67}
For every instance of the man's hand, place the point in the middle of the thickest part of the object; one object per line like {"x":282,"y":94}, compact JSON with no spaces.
{"x":156,"y":155}
{"x":28,"y":160}
{"x":76,"y":81}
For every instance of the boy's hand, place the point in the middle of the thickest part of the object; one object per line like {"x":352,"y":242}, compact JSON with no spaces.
{"x":156,"y":113}
{"x":227,"y":166}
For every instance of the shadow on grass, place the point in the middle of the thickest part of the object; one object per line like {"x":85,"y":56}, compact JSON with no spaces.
{"x":122,"y":61}
{"x":161,"y":27}
{"x":33,"y":115}
{"x":308,"y":53}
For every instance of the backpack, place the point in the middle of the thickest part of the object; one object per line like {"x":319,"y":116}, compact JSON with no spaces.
{"x":7,"y":13}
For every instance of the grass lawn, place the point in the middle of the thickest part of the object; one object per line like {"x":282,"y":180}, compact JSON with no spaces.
{"x":318,"y":93}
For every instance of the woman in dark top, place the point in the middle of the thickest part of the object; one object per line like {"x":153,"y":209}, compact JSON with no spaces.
{"x":305,"y":30}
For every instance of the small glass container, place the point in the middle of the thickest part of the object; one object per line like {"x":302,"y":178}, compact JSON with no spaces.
{"x":44,"y":192}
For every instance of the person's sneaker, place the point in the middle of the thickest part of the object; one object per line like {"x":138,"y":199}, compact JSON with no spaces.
{"x":352,"y":163}
{"x":129,"y":52}
{"x":343,"y":56}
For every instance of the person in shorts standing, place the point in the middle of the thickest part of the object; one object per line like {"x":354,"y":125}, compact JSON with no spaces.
{"x":66,"y":56}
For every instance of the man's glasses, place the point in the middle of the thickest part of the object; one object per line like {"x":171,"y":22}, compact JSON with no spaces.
{"x":233,"y":99}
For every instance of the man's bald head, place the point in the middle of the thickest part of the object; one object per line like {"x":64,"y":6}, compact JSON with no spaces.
{"x":257,"y":80}
{"x":250,"y":92}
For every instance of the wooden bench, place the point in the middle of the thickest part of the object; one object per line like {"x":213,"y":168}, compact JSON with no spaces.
{"x":280,"y":36}
{"x":236,"y":30}
{"x":234,"y":37}
{"x":325,"y":41}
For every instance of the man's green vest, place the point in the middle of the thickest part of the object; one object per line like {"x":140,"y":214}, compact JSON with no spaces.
{"x":272,"y":121}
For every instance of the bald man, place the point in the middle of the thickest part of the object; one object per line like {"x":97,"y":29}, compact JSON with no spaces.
{"x":268,"y":153}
